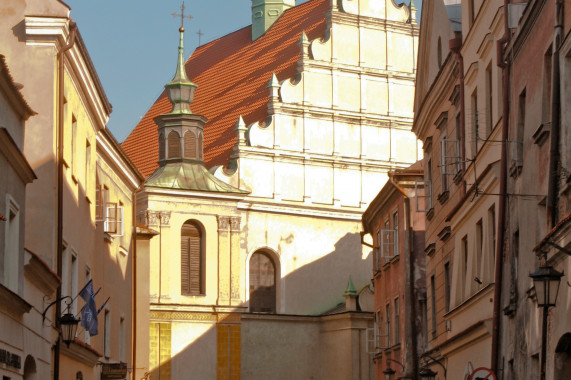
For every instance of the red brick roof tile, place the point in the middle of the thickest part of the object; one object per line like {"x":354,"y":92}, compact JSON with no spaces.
{"x":232,"y":73}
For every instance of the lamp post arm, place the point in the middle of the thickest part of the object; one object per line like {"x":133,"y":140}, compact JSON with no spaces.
{"x":437,"y":362}
{"x":389,"y":360}
{"x":53,"y":303}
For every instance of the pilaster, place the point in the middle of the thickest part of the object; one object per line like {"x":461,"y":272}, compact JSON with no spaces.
{"x":235,"y":270}
{"x":223,"y":260}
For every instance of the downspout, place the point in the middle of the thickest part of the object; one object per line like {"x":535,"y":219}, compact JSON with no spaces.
{"x":555,"y":117}
{"x":410,"y":286}
{"x":503,"y":191}
{"x":59,"y":250}
{"x":455,"y":45}
{"x":134,"y":284}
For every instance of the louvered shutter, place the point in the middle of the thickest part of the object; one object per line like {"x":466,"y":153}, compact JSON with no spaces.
{"x":262,"y":284}
{"x":190,"y":145}
{"x":174,"y":145}
{"x":191,"y":260}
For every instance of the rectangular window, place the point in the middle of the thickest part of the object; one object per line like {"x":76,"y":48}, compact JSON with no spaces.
{"x":433,"y":304}
{"x":73,"y":281}
{"x":547,"y":68}
{"x":12,"y":246}
{"x":464,"y":247}
{"x":114,"y":218}
{"x":397,"y":321}
{"x":396,"y":233}
{"x":72,"y":147}
{"x":122,"y":339}
{"x":429,"y":182}
{"x":101,"y":199}
{"x":107,"y":334}
{"x":87,"y":167}
{"x":516,"y":154}
{"x":447,"y":286}
{"x":377,"y":252}
{"x":471,"y":12}
{"x":492,"y":232}
{"x":475,"y":126}
{"x":388,"y":315}
{"x":444,"y":164}
{"x":489,"y":100}
{"x":479,"y":248}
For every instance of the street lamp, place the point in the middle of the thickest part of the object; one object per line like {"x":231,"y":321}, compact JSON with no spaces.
{"x":389,"y":373}
{"x":68,"y":324}
{"x":427,"y":373}
{"x":546,"y":281}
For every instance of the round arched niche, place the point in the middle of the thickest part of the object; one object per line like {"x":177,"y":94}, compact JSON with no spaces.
{"x":263,"y":282}
{"x":30,"y":371}
{"x":563,"y":358}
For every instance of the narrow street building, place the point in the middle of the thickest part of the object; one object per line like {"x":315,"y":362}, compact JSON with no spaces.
{"x":458,"y":118}
{"x":79,"y":211}
{"x":538,"y":203}
{"x":397,"y":228}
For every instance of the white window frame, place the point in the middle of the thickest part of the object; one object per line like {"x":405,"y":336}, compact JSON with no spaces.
{"x":427,"y":196}
{"x":448,"y":159}
{"x":388,"y":249}
{"x":114,"y":224}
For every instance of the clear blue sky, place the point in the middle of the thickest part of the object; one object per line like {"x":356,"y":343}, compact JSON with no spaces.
{"x":133,"y":45}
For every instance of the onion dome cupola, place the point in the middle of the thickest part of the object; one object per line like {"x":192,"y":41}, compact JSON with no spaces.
{"x":181,"y":162}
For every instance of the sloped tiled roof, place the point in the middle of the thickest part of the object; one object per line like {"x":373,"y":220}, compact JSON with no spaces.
{"x":232,"y":73}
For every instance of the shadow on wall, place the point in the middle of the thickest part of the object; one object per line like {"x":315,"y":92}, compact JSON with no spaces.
{"x":260,"y":345}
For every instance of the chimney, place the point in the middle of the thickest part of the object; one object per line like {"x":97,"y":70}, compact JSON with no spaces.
{"x":265,"y":13}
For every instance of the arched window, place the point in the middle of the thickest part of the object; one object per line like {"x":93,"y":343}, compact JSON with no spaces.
{"x":161,"y":147}
{"x":191,"y":260}
{"x":262,"y":283}
{"x":174,"y":145}
{"x":439,"y":52}
{"x":30,"y":368}
{"x":200,"y":147}
{"x":190,"y":145}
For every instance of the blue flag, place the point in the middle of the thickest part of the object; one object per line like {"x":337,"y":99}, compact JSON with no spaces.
{"x":89,"y":311}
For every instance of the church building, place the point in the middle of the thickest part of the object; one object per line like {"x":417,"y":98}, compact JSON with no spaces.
{"x":260,"y":157}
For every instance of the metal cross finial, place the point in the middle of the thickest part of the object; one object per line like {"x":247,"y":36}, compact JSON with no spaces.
{"x":182,"y":16}
{"x":200,"y":34}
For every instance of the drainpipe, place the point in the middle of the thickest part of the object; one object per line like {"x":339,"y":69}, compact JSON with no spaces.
{"x":59,"y":248}
{"x":503,"y":191}
{"x":555,"y":116}
{"x":409,"y":287}
{"x":455,"y":45}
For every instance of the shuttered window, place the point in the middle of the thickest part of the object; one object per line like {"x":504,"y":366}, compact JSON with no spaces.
{"x":190,"y":145}
{"x":192,"y":260}
{"x":174,"y":145}
{"x":262,"y":284}
{"x":161,"y":147}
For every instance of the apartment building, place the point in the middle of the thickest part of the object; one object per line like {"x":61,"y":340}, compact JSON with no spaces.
{"x":79,"y":210}
{"x":458,"y":118}
{"x":397,"y":228}
{"x":538,"y":203}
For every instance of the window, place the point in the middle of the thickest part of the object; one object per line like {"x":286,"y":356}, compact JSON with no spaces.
{"x":192,"y":264}
{"x":388,"y":315}
{"x":439,"y":52}
{"x":464,"y":247}
{"x":397,"y":321}
{"x":190,"y":145}
{"x":492,"y":232}
{"x":114,"y":218}
{"x":479,"y":248}
{"x":12,"y":246}
{"x":262,"y":283}
{"x":489,"y":100}
{"x":161,"y":147}
{"x":433,"y":304}
{"x":547,"y":68}
{"x":471,"y":12}
{"x":377,"y":252}
{"x":516,"y":146}
{"x":107,"y":334}
{"x":447,"y":286}
{"x":87,"y":166}
{"x":475,"y":126}
{"x":101,"y":199}
{"x":173,"y":145}
{"x":73,"y":281}
{"x":396,"y":233}
{"x":388,"y":239}
{"x":122,"y":339}
{"x":72,"y":147}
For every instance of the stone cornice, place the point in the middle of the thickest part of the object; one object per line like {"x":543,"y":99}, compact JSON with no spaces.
{"x":40,"y":274}
{"x":15,"y":304}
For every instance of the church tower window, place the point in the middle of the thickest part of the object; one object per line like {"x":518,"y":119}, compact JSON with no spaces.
{"x":192,"y":260}
{"x":174,"y":145}
{"x":190,"y":145}
{"x":161,"y":147}
{"x":262,"y":283}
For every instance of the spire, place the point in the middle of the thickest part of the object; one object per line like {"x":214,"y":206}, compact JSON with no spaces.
{"x":180,"y":89}
{"x":350,"y":291}
{"x":412,"y":12}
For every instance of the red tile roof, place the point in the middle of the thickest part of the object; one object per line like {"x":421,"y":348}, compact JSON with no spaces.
{"x":232,"y":73}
